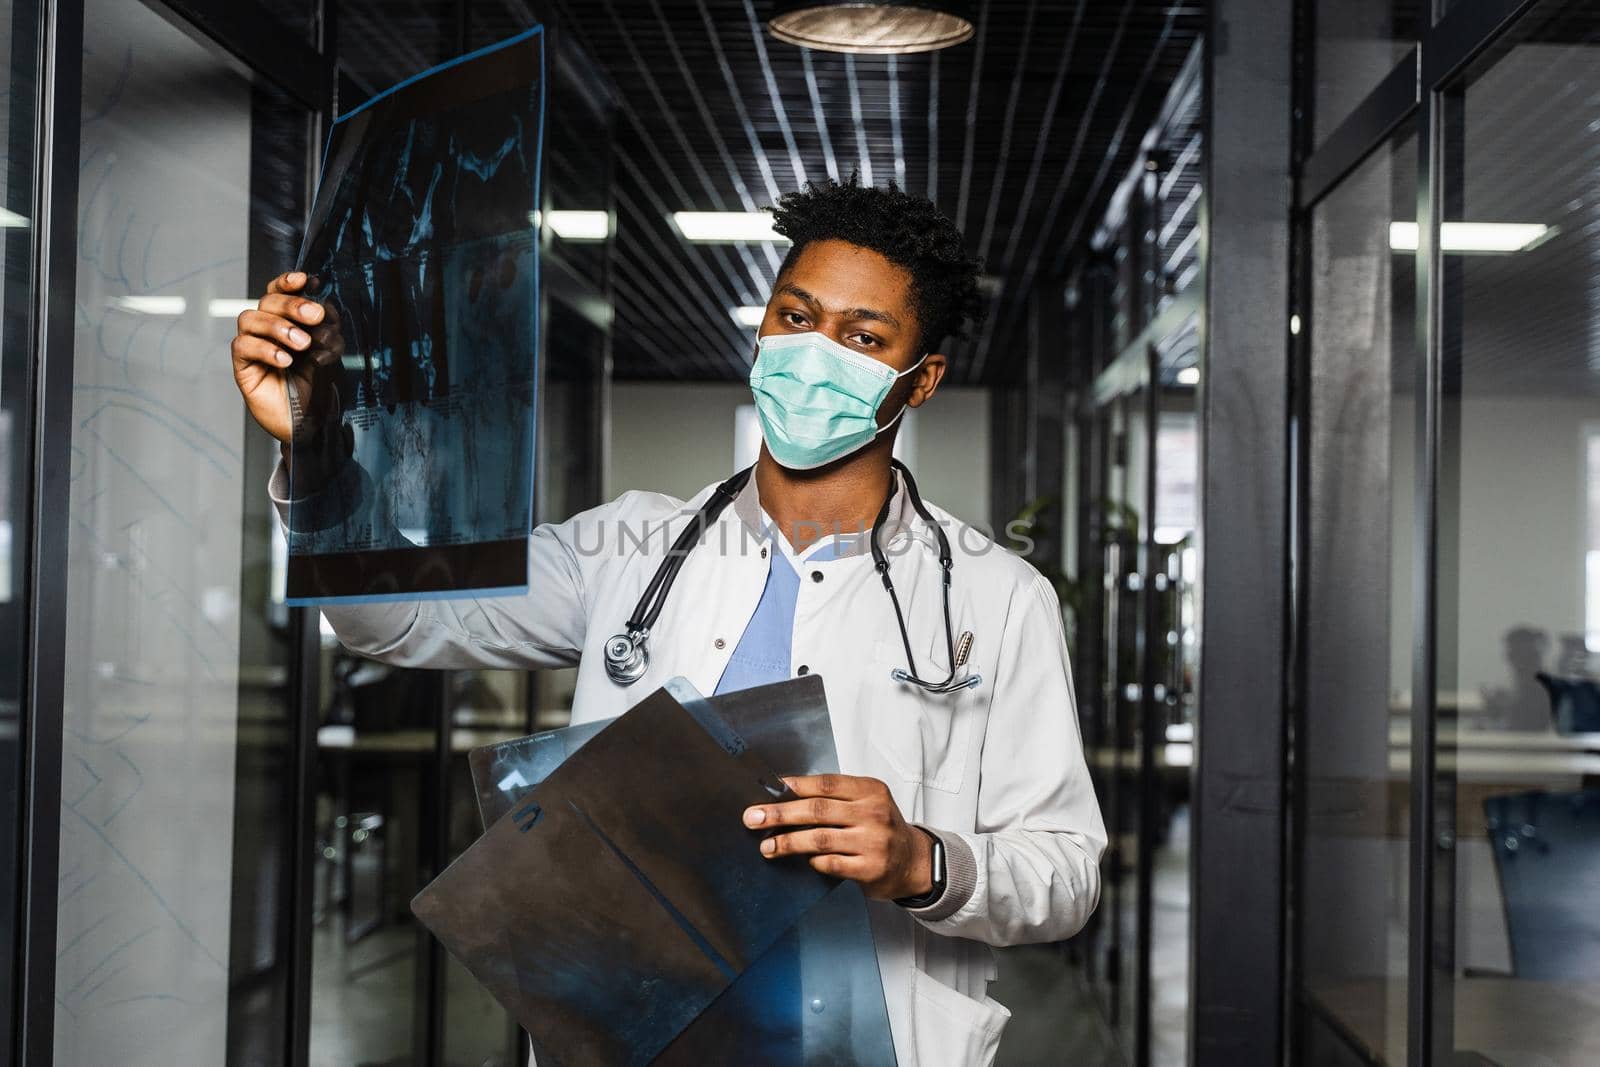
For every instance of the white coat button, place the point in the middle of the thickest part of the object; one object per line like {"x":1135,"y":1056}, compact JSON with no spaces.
{"x":720,"y":643}
{"x":817,"y":1005}
{"x":803,"y":669}
{"x":816,"y":576}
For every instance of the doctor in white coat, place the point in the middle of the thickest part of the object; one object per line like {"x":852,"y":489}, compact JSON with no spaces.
{"x":965,"y":809}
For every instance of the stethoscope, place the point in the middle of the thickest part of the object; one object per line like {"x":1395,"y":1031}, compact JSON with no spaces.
{"x":628,"y":653}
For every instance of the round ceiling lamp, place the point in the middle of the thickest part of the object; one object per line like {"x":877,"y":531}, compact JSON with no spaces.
{"x":886,"y":27}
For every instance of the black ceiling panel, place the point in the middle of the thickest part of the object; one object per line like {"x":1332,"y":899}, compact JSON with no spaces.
{"x":1019,"y":134}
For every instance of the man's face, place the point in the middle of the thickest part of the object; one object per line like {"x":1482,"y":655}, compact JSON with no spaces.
{"x":857,"y":297}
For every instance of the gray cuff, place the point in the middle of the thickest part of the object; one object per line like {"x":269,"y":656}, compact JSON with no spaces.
{"x":960,"y":878}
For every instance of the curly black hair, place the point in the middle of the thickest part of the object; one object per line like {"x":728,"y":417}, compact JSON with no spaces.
{"x":907,"y":230}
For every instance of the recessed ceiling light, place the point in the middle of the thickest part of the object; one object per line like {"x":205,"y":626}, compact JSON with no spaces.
{"x":149,"y":305}
{"x":581,"y":225}
{"x":726,"y":227}
{"x":1189,"y":376}
{"x":750,"y":315}
{"x":882,"y":27}
{"x":1466,"y":237}
{"x":229,"y":309}
{"x":575,"y":225}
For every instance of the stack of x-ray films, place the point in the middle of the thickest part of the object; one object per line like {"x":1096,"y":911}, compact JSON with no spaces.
{"x":619,"y":909}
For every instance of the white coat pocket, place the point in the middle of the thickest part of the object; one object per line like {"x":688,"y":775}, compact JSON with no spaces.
{"x":951,"y":1028}
{"x":925,"y":737}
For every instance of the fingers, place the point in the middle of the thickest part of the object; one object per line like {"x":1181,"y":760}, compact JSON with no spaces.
{"x":293,"y":308}
{"x":292,"y":282}
{"x":260,"y":350}
{"x":835,"y":865}
{"x":816,"y":811}
{"x":275,"y":328}
{"x":820,"y":841}
{"x":838,"y":786}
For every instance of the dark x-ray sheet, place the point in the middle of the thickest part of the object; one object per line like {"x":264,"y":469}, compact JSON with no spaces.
{"x":412,"y":464}
{"x":622,"y":896}
{"x":785,"y":724}
{"x":815,"y":999}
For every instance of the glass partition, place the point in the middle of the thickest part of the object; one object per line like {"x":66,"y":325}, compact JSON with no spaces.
{"x":154,"y":633}
{"x":1352,"y":861}
{"x":1517,"y":850}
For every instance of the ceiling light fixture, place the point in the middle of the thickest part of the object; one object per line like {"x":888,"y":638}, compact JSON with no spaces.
{"x":10,"y":220}
{"x":1488,"y":238}
{"x":750,"y":315}
{"x":874,"y":27}
{"x":149,"y":305}
{"x":1189,"y":376}
{"x":575,"y":225}
{"x":726,"y":227}
{"x":229,"y":309}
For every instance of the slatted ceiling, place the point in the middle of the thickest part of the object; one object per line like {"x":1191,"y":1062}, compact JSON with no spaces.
{"x":1020,"y":133}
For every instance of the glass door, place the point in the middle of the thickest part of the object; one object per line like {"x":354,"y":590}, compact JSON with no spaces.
{"x":1515,"y":840}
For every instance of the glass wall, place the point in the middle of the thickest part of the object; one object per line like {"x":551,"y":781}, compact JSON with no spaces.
{"x":1517,"y":932}
{"x":153,"y":614}
{"x":1353,"y":839}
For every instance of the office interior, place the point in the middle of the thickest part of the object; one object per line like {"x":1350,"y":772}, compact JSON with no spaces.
{"x":1289,"y":377}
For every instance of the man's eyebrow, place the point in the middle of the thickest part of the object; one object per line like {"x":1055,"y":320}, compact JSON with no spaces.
{"x":871,"y":314}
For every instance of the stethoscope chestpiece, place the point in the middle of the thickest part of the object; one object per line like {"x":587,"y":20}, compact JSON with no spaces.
{"x":627,"y":656}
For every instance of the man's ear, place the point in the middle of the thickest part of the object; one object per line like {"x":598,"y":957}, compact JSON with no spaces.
{"x":925,"y":382}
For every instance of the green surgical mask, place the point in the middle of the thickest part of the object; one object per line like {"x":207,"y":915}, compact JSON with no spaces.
{"x":818,"y":400}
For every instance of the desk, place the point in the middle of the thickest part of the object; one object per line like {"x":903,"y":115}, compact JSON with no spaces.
{"x":402,"y":742}
{"x":1512,"y":1021}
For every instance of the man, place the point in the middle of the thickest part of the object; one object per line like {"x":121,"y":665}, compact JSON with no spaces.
{"x":991,"y":775}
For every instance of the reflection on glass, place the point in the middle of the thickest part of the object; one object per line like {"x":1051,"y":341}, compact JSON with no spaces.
{"x":1358,"y":42}
{"x":1352,"y":862}
{"x":1518,"y":934}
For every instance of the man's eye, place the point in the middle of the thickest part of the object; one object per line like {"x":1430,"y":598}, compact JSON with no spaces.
{"x":864,"y":340}
{"x":793,"y":318}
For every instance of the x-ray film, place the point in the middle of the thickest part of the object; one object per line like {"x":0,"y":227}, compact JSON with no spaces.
{"x":815,"y":999}
{"x":785,"y":724}
{"x":623,"y":895}
{"x":412,"y":462}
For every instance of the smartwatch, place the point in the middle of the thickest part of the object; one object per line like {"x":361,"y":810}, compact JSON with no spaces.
{"x":931,"y":896}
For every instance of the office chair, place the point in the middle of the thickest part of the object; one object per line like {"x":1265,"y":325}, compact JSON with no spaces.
{"x":1550,"y":890}
{"x":1574,"y":703}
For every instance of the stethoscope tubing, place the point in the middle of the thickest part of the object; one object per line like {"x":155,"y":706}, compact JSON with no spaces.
{"x":628,"y":654}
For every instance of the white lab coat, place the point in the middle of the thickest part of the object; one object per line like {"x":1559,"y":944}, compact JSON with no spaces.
{"x":1000,"y":766}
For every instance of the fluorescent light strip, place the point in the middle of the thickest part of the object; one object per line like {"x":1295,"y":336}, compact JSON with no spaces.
{"x":229,"y":309}
{"x":576,"y":225}
{"x":10,"y":220}
{"x":726,"y":227}
{"x":149,"y":305}
{"x":750,"y":316}
{"x":1486,"y":237}
{"x":1189,"y":376}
